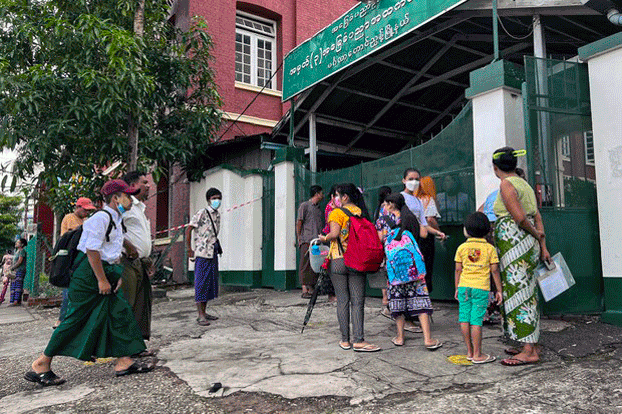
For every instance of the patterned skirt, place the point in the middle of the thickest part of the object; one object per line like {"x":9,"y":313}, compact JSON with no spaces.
{"x":409,"y":299}
{"x":519,"y":254}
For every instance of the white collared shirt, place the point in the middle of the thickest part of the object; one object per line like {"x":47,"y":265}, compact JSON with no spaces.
{"x":94,"y":235}
{"x":138,"y":228}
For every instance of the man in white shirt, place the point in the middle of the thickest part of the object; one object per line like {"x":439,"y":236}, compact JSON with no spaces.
{"x":137,"y":266}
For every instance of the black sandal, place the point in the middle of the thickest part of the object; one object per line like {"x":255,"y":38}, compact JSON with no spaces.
{"x":134,"y":369}
{"x":45,"y":378}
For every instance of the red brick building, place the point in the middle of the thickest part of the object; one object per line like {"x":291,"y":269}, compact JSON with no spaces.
{"x":250,"y":40}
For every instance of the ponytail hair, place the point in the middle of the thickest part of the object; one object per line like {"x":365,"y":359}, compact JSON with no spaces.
{"x":355,"y":196}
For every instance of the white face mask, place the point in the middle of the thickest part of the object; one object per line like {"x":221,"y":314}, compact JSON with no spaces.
{"x":412,"y":185}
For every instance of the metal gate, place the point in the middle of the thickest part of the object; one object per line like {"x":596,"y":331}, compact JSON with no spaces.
{"x":447,"y":158}
{"x":267,"y":245}
{"x":560,"y":148}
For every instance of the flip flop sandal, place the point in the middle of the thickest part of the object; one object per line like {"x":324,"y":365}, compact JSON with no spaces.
{"x":435,"y":346}
{"x":344,"y":347}
{"x":489,"y":358}
{"x":513,"y":362}
{"x":45,"y":378}
{"x":133,"y":369}
{"x":211,"y":317}
{"x":394,"y":342}
{"x":203,"y":322}
{"x":367,"y":348}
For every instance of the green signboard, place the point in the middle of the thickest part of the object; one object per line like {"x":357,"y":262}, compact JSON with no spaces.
{"x":359,"y":32}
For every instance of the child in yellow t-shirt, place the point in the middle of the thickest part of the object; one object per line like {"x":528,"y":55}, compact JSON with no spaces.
{"x":475,"y":260}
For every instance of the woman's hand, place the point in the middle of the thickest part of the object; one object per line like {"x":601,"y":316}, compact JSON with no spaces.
{"x":545,"y":256}
{"x":441,"y":236}
{"x":322,"y":238}
{"x":456,"y":295}
{"x":499,"y":297}
{"x":104,"y":287}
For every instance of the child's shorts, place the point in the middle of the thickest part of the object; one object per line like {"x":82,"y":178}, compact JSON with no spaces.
{"x":473,"y":304}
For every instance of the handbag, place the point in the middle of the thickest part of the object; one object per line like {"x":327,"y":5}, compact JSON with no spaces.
{"x":217,"y":246}
{"x":379,"y":279}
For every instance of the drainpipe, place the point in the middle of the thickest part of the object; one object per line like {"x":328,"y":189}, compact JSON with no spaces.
{"x":615,"y":17}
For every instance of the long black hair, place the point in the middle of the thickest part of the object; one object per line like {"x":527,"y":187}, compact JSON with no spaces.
{"x":383,"y":192}
{"x":355,"y":195}
{"x":408,"y":221}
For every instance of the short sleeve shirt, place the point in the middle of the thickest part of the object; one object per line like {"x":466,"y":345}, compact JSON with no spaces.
{"x":341,"y":218}
{"x":415,"y":205}
{"x":312,"y":221}
{"x":476,"y":256}
{"x":17,"y":255}
{"x":71,"y":221}
{"x":204,"y":236}
{"x":429,"y":208}
{"x":94,"y":236}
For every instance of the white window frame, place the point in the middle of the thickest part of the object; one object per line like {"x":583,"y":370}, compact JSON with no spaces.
{"x":565,"y":147}
{"x":254,"y":37}
{"x":587,"y":159}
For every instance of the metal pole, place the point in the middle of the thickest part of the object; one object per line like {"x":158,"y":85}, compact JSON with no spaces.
{"x":291,"y":123}
{"x":312,"y":143}
{"x":495,"y":29}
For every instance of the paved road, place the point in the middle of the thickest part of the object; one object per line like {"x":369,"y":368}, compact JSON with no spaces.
{"x":266,"y":366}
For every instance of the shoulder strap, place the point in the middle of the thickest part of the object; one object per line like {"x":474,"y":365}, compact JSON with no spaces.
{"x":210,"y":219}
{"x":111,"y":224}
{"x":389,"y":221}
{"x":347,"y":212}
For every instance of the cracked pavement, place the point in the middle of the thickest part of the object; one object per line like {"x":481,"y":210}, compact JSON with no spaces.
{"x":266,"y":365}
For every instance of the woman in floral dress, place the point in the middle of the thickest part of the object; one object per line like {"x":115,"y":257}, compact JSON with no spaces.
{"x":521,"y":243}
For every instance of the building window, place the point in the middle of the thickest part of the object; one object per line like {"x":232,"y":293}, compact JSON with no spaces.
{"x":255,"y":51}
{"x":566,"y":146}
{"x":589,"y":147}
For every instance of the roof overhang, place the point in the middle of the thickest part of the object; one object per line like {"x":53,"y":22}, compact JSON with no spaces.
{"x":409,"y":89}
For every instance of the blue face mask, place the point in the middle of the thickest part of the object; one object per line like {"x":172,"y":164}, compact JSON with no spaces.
{"x":215,"y":204}
{"x":121,"y":209}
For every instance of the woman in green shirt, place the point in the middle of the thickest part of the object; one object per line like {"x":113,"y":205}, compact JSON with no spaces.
{"x":19,"y":270}
{"x":521,"y":243}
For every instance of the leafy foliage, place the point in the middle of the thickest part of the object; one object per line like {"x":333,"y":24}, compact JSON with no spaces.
{"x":72,"y":74}
{"x":10,"y":213}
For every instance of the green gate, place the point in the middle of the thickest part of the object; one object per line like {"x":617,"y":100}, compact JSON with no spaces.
{"x":447,"y":158}
{"x":267,"y":245}
{"x":560,"y":148}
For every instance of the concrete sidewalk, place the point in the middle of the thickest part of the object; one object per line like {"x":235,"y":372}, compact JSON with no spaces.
{"x":256,"y":346}
{"x":266,"y":365}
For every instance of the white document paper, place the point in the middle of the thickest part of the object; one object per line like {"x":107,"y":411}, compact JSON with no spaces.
{"x":554,"y":282}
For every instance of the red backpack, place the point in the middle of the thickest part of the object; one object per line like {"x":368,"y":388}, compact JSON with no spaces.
{"x":365,"y":252}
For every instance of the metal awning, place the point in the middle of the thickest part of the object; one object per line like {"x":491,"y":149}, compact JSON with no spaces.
{"x":407,"y":91}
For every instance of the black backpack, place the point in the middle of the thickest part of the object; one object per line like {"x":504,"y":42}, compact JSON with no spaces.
{"x":66,"y":251}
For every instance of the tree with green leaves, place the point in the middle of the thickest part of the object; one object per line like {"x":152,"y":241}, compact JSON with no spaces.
{"x":10,"y":214}
{"x":76,"y":82}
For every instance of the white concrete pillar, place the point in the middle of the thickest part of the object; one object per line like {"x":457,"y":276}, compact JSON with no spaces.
{"x":285,"y":217}
{"x":497,"y":120}
{"x":604,"y":60}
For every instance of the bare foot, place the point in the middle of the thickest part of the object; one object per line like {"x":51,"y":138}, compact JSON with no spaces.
{"x":527,"y":357}
{"x":41,"y":365}
{"x":123,"y":363}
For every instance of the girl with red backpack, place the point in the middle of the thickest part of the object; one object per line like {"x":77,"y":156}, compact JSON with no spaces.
{"x":349,"y":283}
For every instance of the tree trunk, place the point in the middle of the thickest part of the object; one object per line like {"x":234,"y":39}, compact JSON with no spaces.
{"x":139,"y":30}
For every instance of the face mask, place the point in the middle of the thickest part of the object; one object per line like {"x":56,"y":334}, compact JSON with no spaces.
{"x":337,"y":202}
{"x":215,"y":204}
{"x":412,"y":185}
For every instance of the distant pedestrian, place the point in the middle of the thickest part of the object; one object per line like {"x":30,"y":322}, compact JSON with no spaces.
{"x":99,"y":322}
{"x":426,"y":193}
{"x":206,"y":225}
{"x":308,"y":225}
{"x":71,"y":221}
{"x":475,"y":260}
{"x":18,"y":272}
{"x":349,"y":284}
{"x":137,"y":266}
{"x":407,"y":290}
{"x":7,"y":261}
